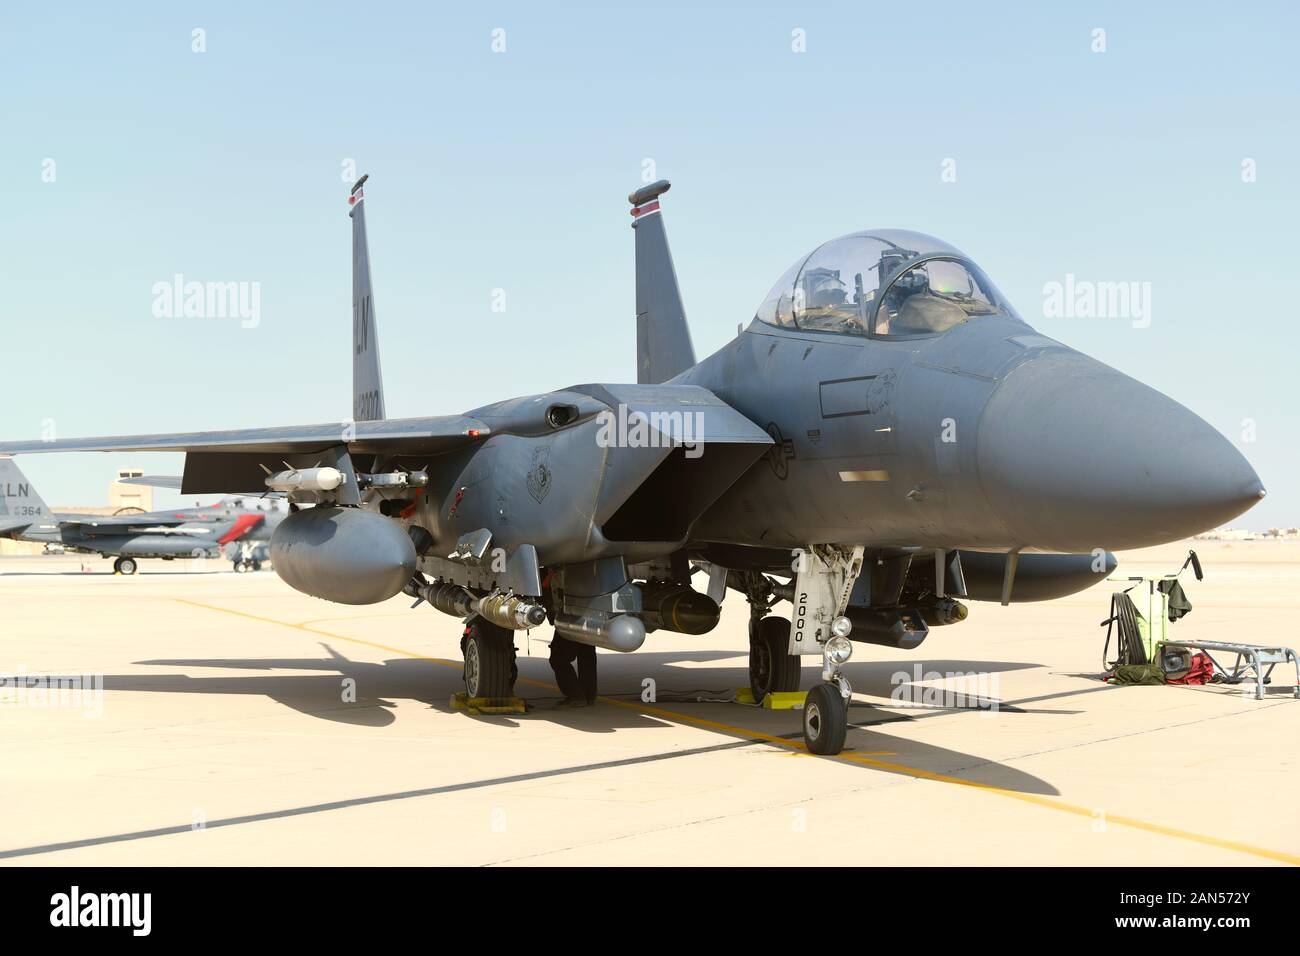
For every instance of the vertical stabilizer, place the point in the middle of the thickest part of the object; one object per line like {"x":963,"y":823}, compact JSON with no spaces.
{"x":663,"y":340}
{"x":20,"y":505}
{"x":367,"y":380}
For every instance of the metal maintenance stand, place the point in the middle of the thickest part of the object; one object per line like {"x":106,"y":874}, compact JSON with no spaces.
{"x":1252,"y":659}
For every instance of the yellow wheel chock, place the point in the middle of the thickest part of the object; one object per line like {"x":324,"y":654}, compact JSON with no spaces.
{"x":489,"y":706}
{"x":781,"y":700}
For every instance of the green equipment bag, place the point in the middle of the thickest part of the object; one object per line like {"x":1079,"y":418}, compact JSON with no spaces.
{"x":1139,"y":674}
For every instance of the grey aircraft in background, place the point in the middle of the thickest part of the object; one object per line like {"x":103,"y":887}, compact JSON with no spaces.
{"x":248,"y":552}
{"x":200,"y":532}
{"x":886,"y":437}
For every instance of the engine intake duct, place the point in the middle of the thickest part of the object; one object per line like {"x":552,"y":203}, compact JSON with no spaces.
{"x":904,"y":628}
{"x":676,"y":607}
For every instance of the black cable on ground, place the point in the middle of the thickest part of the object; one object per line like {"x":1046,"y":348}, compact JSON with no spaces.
{"x":1123,"y":621}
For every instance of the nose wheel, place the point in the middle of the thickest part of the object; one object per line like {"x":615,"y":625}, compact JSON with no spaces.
{"x":825,"y":720}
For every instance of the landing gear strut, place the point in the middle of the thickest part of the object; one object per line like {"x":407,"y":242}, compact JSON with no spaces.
{"x":824,"y":578}
{"x":772,"y":668}
{"x":490,"y":669}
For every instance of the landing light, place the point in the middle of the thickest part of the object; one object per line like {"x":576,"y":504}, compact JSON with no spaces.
{"x":841,"y":626}
{"x":839,"y":649}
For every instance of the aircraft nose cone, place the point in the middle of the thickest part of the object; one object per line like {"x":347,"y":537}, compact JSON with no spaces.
{"x":1074,"y":456}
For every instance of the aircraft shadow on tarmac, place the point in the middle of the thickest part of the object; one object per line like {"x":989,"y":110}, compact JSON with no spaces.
{"x":379,"y":685}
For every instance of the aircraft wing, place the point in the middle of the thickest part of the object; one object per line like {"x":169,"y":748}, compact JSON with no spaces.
{"x":122,"y":525}
{"x":176,"y":483}
{"x":391,"y":436}
{"x":154,"y":481}
{"x":233,"y":462}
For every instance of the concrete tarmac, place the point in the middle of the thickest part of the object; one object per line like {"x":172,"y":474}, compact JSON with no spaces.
{"x":239,"y":722}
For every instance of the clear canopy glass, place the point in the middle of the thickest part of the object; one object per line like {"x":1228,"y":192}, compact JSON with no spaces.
{"x":838,"y":288}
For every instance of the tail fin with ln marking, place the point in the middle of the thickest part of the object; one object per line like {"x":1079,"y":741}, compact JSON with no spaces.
{"x":20,"y":505}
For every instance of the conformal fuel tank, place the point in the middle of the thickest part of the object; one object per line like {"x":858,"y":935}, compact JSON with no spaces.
{"x":345,"y":555}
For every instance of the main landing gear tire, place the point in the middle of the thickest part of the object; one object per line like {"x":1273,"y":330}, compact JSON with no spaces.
{"x":772,"y":668}
{"x":125,"y":566}
{"x":825,"y":720}
{"x":490,"y":669}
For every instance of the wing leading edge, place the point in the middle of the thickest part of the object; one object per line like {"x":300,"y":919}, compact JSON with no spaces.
{"x":392,"y":436}
{"x":231,"y":462}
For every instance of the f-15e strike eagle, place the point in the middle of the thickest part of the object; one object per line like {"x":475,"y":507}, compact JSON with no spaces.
{"x":886,"y":437}
{"x":199,"y":532}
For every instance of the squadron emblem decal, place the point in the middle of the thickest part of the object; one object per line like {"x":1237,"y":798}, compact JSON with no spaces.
{"x":539,"y":474}
{"x":779,"y":455}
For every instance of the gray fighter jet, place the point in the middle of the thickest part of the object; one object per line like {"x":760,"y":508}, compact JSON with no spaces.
{"x":886,"y":437}
{"x":250,"y":550}
{"x":201,"y":532}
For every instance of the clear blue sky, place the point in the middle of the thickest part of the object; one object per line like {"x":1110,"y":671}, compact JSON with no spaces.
{"x":509,"y":170}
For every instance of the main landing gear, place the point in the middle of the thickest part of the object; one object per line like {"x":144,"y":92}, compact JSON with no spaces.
{"x":772,"y":668}
{"x":490,"y":668}
{"x":125,"y":566}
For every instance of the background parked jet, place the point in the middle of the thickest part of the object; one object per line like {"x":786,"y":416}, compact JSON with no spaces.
{"x":201,"y":532}
{"x":885,"y":437}
{"x":253,"y":548}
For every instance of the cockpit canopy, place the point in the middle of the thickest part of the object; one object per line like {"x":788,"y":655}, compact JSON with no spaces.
{"x":884,"y":282}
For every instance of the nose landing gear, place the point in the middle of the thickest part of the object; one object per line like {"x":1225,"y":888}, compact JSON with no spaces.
{"x":824,"y":579}
{"x":825,"y":720}
{"x":826,"y":710}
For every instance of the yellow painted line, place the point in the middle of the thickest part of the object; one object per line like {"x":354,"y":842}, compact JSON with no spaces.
{"x":862,"y":759}
{"x":354,"y":617}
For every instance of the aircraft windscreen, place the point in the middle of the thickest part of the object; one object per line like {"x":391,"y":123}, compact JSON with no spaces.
{"x":934,"y":297}
{"x":838,"y":286}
